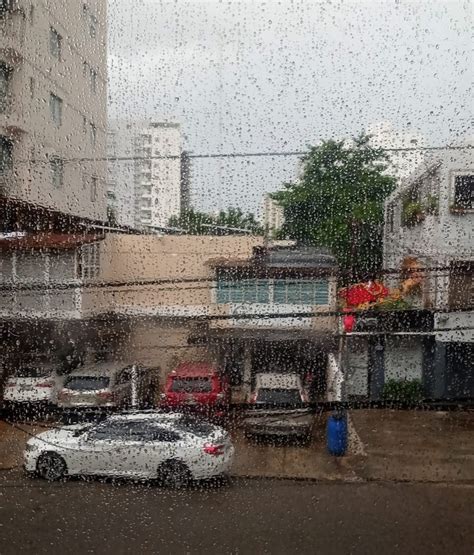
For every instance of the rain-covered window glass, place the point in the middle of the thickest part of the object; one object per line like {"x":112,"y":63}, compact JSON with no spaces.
{"x":236,"y":241}
{"x":57,"y":171}
{"x":56,"y":109}
{"x":55,"y":43}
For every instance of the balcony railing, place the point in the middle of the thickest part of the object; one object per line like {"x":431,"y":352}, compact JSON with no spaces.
{"x":6,"y":181}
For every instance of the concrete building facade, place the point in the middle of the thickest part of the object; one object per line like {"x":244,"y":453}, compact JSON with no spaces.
{"x":53,"y":105}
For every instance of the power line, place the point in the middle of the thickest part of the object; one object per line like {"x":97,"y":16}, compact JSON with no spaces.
{"x":434,"y":271}
{"x":257,"y":154}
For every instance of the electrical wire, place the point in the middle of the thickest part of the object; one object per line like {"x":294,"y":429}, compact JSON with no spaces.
{"x":234,"y":155}
{"x":431,"y":272}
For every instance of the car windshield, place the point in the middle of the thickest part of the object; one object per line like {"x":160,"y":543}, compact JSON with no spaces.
{"x":84,"y":383}
{"x":191,"y":385}
{"x":32,"y":372}
{"x":279,"y":396}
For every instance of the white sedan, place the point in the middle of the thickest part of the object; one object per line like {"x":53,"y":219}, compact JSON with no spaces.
{"x":173,"y":448}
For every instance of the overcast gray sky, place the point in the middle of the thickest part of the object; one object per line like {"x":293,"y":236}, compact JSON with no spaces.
{"x":277,"y":76}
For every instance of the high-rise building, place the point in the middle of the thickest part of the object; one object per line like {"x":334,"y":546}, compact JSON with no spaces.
{"x":145,"y":185}
{"x":273,"y":216}
{"x":53,"y":106}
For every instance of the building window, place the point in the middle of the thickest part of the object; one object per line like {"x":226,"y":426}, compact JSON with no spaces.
{"x":243,"y":291}
{"x":93,"y":132}
{"x":93,"y":79}
{"x":56,"y":109}
{"x":57,"y":171}
{"x":55,"y":43}
{"x":85,"y":69}
{"x":94,"y":181}
{"x":6,"y":149}
{"x":89,"y":261}
{"x":273,"y":291}
{"x":92,"y":26}
{"x":84,"y":124}
{"x":312,"y":292}
{"x":5,"y":74}
{"x":31,"y":14}
{"x":461,"y":285}
{"x":464,"y":192}
{"x":32,"y":87}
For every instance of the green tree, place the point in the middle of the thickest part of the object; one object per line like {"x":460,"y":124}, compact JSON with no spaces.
{"x":195,"y":222}
{"x":338,"y":203}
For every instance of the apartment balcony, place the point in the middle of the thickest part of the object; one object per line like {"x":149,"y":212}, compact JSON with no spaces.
{"x":49,"y":303}
{"x":12,"y":36}
{"x":279,"y":317}
{"x":6,"y":183}
{"x":14,"y":118}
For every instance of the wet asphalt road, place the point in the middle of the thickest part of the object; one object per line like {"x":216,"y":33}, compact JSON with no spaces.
{"x":254,"y":516}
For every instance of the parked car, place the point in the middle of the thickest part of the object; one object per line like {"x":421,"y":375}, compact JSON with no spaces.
{"x":33,"y":384}
{"x":279,"y":407}
{"x":108,"y":385}
{"x":171,"y":447}
{"x":197,"y":386}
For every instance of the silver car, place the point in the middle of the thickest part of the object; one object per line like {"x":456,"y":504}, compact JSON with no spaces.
{"x":108,"y":385}
{"x":279,"y":407}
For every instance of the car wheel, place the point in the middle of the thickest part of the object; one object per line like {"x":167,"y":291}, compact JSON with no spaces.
{"x":51,"y":467}
{"x":174,"y":474}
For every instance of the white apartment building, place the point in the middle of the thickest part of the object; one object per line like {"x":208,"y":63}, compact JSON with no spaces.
{"x":144,"y":172}
{"x":53,"y":105}
{"x":429,"y":225}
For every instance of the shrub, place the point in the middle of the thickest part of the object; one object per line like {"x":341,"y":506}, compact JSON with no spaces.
{"x":403,"y":391}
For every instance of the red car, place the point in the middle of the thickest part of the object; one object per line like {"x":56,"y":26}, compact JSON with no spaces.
{"x":197,"y":386}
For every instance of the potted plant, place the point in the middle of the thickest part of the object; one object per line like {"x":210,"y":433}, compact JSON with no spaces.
{"x":412,"y":213}
{"x":456,"y":209}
